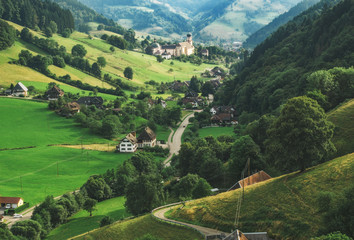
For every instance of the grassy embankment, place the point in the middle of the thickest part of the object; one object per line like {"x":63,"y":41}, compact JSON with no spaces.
{"x":140,"y":226}
{"x":285,"y":207}
{"x":343,"y":119}
{"x":45,"y":170}
{"x":81,"y":222}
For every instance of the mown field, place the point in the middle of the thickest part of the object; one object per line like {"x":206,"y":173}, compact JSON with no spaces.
{"x":216,"y":131}
{"x":138,"y":227}
{"x":81,"y":222}
{"x":45,"y":170}
{"x":285,"y":207}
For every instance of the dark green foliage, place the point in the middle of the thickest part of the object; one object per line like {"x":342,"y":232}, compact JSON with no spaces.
{"x":278,"y":68}
{"x":144,"y":193}
{"x":5,"y":233}
{"x":243,"y":149}
{"x":333,"y":236}
{"x":128,"y":72}
{"x":59,"y":61}
{"x":300,"y":137}
{"x":101,"y":61}
{"x":106,"y":221}
{"x":117,"y":42}
{"x":195,"y":84}
{"x":159,"y":58}
{"x":78,"y":51}
{"x":96,"y":70}
{"x":28,"y":229}
{"x":202,"y":189}
{"x":89,"y":205}
{"x":36,"y":13}
{"x":96,"y":188}
{"x":7,"y":35}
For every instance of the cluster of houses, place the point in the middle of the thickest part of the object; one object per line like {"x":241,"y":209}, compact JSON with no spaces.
{"x":131,"y":142}
{"x":174,"y":50}
{"x":194,"y":99}
{"x":223,"y":115}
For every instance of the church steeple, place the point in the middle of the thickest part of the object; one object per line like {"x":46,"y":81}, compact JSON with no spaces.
{"x":189,"y":38}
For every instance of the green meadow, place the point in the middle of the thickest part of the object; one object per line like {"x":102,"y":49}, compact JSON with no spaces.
{"x":216,"y":131}
{"x":27,"y":123}
{"x":37,"y":172}
{"x":81,"y":222}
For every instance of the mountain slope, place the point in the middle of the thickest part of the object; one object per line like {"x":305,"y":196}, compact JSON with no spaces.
{"x":278,"y":68}
{"x":260,"y":35}
{"x":285,"y":207}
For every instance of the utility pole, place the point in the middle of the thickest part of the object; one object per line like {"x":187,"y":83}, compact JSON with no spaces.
{"x":21,"y":184}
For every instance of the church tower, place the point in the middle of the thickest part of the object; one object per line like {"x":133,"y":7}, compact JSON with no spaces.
{"x":189,"y":39}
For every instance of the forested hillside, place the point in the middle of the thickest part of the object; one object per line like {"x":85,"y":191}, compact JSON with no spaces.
{"x":259,"y":36}
{"x":36,"y":14}
{"x":285,"y":64}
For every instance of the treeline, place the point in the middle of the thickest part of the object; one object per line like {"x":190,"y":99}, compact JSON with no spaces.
{"x":36,"y":14}
{"x":7,"y":35}
{"x":280,"y":67}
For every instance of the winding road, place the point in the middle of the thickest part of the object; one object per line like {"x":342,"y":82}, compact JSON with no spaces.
{"x":175,"y":139}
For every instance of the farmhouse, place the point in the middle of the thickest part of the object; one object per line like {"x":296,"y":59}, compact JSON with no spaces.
{"x":183,"y":48}
{"x":253,"y":179}
{"x":20,"y":90}
{"x":205,"y":52}
{"x":89,"y":101}
{"x":11,"y":202}
{"x":147,"y":138}
{"x":129,"y":143}
{"x":70,"y":109}
{"x":54,"y":93}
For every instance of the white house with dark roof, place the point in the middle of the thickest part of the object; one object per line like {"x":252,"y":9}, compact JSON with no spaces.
{"x":182,"y":48}
{"x":128,"y":144}
{"x":20,"y":90}
{"x":147,"y":138}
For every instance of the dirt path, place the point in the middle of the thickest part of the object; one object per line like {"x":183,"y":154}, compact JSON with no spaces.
{"x":175,"y":139}
{"x":160,"y":214}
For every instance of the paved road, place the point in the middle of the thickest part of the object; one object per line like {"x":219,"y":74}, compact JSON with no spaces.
{"x":160,"y":214}
{"x":175,"y":145}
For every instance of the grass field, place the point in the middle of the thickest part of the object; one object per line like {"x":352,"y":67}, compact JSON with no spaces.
{"x":27,"y":123}
{"x":343,"y":118}
{"x":81,"y":222}
{"x":285,"y":207}
{"x":162,"y":133}
{"x":51,"y":170}
{"x":216,"y":131}
{"x":138,"y":227}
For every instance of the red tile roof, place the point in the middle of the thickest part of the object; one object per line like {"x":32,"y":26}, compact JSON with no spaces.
{"x":12,"y":200}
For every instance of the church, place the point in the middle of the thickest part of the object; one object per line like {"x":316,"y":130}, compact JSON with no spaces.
{"x":166,"y":51}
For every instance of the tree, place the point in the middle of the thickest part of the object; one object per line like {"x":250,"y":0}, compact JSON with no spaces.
{"x":53,"y":26}
{"x":7,"y":35}
{"x":144,"y":194}
{"x":96,"y":70}
{"x":202,"y":189}
{"x":195,"y":84}
{"x":28,"y":229}
{"x":48,"y":32}
{"x":106,"y":221}
{"x":207,"y":89}
{"x":110,"y":126}
{"x":78,"y":51}
{"x":97,"y":188}
{"x":300,"y":136}
{"x":90,"y":205}
{"x":101,"y":61}
{"x":159,"y":58}
{"x":112,"y":49}
{"x":128,"y":72}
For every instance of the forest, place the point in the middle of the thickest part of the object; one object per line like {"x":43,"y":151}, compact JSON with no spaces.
{"x":282,"y":66}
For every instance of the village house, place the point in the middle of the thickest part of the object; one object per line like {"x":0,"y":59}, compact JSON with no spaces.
{"x":11,"y":202}
{"x":54,"y":93}
{"x":178,"y":86}
{"x":258,"y":177}
{"x":128,"y":144}
{"x":70,"y":109}
{"x":223,"y":115}
{"x":176,"y":50}
{"x":205,"y":52}
{"x":147,"y":138}
{"x":89,"y":101}
{"x":131,"y":143}
{"x":20,"y":90}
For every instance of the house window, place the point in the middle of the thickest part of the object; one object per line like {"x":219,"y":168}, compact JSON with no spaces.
{"x":122,"y":149}
{"x":129,"y":149}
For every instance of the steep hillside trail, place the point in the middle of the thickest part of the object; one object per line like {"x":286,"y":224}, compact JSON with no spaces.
{"x":159,"y":213}
{"x":175,"y":139}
